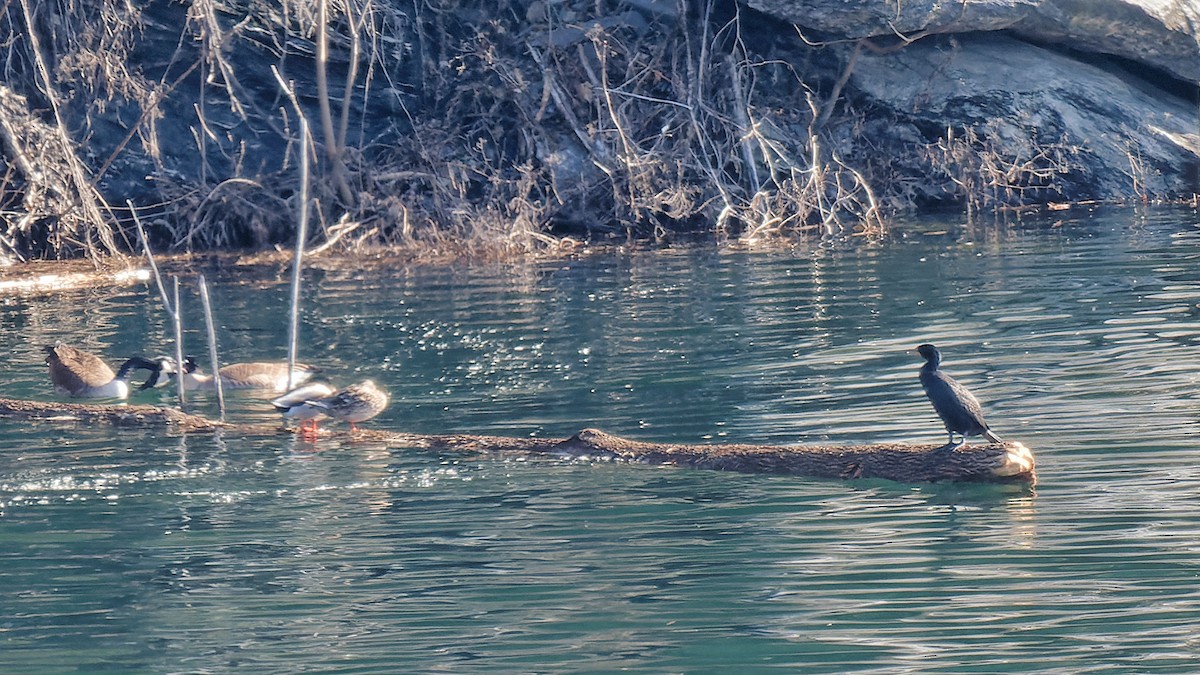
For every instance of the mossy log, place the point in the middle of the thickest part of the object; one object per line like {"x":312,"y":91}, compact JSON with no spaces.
{"x":995,"y":462}
{"x":116,"y":415}
{"x":893,"y":461}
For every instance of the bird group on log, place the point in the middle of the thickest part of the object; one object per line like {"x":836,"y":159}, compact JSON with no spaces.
{"x":313,"y":399}
{"x":80,"y":374}
{"x":77,"y":373}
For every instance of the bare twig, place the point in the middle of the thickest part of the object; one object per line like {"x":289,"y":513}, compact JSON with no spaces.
{"x":212,"y":346}
{"x":301,"y":234}
{"x":162,"y":289}
{"x":177,"y":321}
{"x":333,"y":148}
{"x":85,"y":193}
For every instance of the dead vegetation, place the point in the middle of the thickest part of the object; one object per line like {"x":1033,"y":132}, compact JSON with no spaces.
{"x":985,"y":176}
{"x":468,"y":127}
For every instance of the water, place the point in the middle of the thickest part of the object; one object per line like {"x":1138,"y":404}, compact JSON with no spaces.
{"x":141,"y":551}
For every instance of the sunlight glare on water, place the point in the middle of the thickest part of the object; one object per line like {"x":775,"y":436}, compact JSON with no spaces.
{"x":143,"y":550}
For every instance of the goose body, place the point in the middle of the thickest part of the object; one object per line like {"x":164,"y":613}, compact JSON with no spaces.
{"x":80,"y":374}
{"x":955,"y":404}
{"x":295,"y":404}
{"x":356,"y":403}
{"x":267,"y":375}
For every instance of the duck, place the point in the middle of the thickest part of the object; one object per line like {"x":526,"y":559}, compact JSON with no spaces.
{"x":267,"y":375}
{"x":296,"y":405}
{"x":81,"y":374}
{"x":356,"y":403}
{"x":955,"y":404}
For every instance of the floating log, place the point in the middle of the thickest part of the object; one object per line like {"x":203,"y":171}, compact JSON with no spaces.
{"x":116,"y":415}
{"x":996,"y":462}
{"x":893,"y":461}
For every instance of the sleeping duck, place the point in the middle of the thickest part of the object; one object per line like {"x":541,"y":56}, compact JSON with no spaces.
{"x":296,"y":404}
{"x":356,"y":403}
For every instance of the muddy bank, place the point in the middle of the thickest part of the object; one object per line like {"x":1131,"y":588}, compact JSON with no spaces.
{"x":488,"y":130}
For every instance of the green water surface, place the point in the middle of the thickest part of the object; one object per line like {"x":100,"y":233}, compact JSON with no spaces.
{"x":128,"y":550}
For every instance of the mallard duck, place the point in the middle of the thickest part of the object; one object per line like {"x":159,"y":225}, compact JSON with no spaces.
{"x":295,"y":404}
{"x":80,"y":374}
{"x":959,"y":409}
{"x":272,"y":376}
{"x":356,"y":403}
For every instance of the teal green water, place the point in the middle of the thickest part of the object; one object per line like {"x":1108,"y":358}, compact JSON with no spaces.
{"x":127,"y":550}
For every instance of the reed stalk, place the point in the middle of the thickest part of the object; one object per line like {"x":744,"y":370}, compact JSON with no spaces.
{"x":162,"y":290}
{"x":212,"y":346}
{"x":297,"y":263}
{"x":172,"y":310}
{"x":178,"y":321}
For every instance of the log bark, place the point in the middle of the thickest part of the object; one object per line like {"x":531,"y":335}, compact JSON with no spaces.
{"x":996,"y":462}
{"x":116,"y":415}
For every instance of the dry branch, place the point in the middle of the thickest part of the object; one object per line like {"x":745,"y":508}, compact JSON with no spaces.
{"x":1008,"y":462}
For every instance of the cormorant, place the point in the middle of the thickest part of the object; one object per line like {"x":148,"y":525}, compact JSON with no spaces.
{"x":959,"y":410}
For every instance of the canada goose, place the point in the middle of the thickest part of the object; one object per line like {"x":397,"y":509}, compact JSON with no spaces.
{"x":959,"y":409}
{"x":79,"y":374}
{"x":272,"y":376}
{"x":295,"y":404}
{"x":356,"y":403}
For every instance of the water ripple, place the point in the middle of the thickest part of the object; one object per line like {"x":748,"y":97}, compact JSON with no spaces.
{"x":140,"y":551}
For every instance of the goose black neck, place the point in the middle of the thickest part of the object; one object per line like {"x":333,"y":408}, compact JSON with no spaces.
{"x":127,"y":368}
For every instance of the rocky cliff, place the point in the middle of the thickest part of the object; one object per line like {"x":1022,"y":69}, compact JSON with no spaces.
{"x":1101,"y":94}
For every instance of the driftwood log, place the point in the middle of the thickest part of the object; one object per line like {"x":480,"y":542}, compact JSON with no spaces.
{"x":1010,"y":461}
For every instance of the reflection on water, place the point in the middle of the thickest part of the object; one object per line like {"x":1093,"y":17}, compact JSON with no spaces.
{"x":131,"y":549}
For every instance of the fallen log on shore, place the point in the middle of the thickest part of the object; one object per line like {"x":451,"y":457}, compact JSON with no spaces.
{"x":38,"y":278}
{"x":995,"y":462}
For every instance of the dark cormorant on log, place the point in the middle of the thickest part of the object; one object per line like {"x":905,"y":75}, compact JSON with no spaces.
{"x":957,"y":407}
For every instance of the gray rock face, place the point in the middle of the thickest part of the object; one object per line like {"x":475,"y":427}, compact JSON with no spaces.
{"x":1045,"y":88}
{"x":1124,"y":137}
{"x":1164,"y":34}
